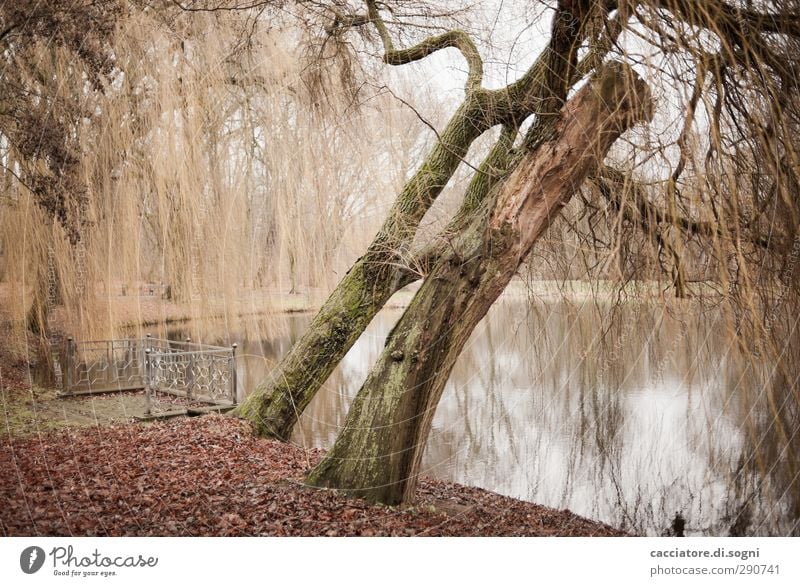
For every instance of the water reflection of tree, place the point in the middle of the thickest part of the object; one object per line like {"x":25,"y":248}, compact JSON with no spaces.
{"x":589,"y":412}
{"x":766,"y":480}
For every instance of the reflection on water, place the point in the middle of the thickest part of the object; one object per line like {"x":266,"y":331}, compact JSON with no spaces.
{"x":658,"y":416}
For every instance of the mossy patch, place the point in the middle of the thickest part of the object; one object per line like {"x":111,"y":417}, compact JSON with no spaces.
{"x":37,"y":410}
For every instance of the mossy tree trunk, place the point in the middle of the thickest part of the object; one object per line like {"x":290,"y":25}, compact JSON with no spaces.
{"x":278,"y":402}
{"x":378,"y":453}
{"x":387,"y":265}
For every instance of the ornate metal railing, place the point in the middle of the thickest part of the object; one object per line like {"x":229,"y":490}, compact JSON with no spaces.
{"x":103,"y":365}
{"x":197,"y":372}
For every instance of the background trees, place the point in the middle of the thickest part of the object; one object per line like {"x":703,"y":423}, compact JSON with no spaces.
{"x":202,"y":156}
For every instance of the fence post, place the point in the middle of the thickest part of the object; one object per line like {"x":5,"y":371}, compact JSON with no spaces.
{"x":144,"y":348}
{"x":190,"y":377}
{"x":233,"y":372}
{"x":66,"y":382}
{"x":109,"y":361}
{"x":147,"y":390}
{"x":190,"y":372}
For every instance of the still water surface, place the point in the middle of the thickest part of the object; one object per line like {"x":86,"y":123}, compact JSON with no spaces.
{"x":658,"y":416}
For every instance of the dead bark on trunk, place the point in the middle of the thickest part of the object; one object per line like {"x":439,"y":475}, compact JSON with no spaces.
{"x":378,"y":453}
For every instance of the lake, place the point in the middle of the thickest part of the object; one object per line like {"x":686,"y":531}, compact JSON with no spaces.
{"x":628,"y":414}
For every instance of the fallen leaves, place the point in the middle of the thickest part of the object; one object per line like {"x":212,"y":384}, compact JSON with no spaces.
{"x":211,"y":476}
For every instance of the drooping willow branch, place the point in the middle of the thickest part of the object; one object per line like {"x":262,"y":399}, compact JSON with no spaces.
{"x":733,"y":21}
{"x":613,"y":184}
{"x":746,"y":35}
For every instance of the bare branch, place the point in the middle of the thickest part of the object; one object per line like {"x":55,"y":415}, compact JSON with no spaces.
{"x":619,"y":182}
{"x":735,"y":22}
{"x":457,"y":39}
{"x":641,"y":210}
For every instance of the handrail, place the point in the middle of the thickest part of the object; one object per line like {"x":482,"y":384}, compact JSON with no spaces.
{"x":150,"y":339}
{"x":201,"y":372}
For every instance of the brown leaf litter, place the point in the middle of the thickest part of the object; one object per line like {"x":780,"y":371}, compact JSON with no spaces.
{"x":212,"y":476}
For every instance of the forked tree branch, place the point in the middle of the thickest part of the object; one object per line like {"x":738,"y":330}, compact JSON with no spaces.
{"x":457,"y":39}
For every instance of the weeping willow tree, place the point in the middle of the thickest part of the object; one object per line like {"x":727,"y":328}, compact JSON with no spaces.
{"x":706,"y":191}
{"x":55,"y":59}
{"x":201,"y":157}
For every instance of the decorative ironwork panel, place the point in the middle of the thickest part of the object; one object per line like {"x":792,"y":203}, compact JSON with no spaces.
{"x":212,"y":377}
{"x":169,"y":372}
{"x":192,"y":372}
{"x":196,"y":372}
{"x":104,"y":365}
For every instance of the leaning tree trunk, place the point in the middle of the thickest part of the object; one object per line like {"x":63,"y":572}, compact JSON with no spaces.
{"x":276,"y":404}
{"x":378,"y":453}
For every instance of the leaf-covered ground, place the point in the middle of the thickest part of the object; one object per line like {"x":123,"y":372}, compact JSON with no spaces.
{"x":212,"y":476}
